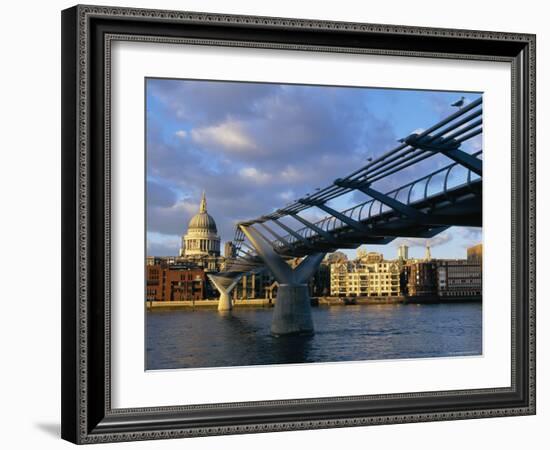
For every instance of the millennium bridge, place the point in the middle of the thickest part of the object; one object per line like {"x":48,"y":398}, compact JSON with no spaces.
{"x":422,"y":208}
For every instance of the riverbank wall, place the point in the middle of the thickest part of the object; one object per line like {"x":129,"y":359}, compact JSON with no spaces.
{"x":255,"y":303}
{"x":437,"y":299}
{"x":345,"y":301}
{"x":315,"y":301}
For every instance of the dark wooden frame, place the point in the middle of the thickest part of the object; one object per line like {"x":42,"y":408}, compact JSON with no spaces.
{"x":87,"y":415}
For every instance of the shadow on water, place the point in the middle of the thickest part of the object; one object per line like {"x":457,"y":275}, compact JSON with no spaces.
{"x":260,"y":344}
{"x":239,"y":323}
{"x":292,"y":349}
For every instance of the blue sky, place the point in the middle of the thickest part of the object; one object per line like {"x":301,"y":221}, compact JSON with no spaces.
{"x":254,"y":147}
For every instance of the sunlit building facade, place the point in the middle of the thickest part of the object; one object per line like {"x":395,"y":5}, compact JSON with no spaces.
{"x":458,"y":278}
{"x":174,"y":283}
{"x":474,"y":254}
{"x":368,"y":276}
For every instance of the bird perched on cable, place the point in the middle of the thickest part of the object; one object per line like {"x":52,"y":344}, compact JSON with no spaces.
{"x":408,"y":139}
{"x":458,"y":103}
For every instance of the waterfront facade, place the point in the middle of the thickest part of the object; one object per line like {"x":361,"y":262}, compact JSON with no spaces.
{"x":458,"y":278}
{"x":443,"y":279}
{"x":367,"y":276}
{"x":420,"y":278}
{"x":174,"y":283}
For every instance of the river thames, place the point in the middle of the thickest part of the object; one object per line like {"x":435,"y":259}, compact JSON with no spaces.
{"x":205,"y":338}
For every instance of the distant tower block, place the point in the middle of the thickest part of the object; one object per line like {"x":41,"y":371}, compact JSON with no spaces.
{"x":229,"y":250}
{"x":428,"y":255}
{"x":403,"y":252}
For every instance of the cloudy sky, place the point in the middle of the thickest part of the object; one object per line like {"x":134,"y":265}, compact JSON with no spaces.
{"x":254,"y":147}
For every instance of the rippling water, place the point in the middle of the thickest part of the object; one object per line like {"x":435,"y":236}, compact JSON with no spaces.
{"x":206,"y":338}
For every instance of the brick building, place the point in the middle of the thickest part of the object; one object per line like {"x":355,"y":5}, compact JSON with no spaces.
{"x":174,"y":283}
{"x":420,"y":279}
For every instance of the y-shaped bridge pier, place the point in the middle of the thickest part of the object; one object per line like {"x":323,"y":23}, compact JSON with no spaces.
{"x":225,"y":283}
{"x":292,"y":314}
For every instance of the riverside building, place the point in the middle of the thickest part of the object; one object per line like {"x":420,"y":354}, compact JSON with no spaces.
{"x":174,"y":283}
{"x":445,"y":279}
{"x":368,"y":276}
{"x":458,"y":278}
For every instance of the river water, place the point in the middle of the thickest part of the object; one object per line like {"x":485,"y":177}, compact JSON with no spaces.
{"x":206,"y":338}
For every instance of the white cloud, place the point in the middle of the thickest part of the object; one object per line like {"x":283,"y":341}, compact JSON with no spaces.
{"x":229,"y":135}
{"x":255,"y":175}
{"x":287,"y":195}
{"x":181,"y":134}
{"x":291,"y":175}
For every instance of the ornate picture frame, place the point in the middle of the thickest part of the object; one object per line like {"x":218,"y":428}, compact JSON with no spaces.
{"x":88,"y":33}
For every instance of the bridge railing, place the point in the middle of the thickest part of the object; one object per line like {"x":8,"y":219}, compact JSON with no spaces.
{"x":426,"y":186}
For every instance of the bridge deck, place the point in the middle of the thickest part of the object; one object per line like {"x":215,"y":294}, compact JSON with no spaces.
{"x":459,"y":206}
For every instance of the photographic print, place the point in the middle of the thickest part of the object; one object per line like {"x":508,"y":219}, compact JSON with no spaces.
{"x":310,"y":224}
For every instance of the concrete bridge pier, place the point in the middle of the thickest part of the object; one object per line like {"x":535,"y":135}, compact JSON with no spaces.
{"x":292,"y":312}
{"x":225,"y":285}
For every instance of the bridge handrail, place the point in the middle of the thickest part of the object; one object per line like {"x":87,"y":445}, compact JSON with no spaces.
{"x":326,"y":221}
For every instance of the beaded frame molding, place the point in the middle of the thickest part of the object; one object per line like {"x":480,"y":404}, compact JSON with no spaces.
{"x":87,"y":34}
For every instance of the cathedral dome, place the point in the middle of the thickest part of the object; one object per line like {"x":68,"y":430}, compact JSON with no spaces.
{"x":201,"y":239}
{"x":202,"y":221}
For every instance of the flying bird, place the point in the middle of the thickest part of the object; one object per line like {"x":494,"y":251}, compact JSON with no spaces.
{"x":458,"y":103}
{"x":369,"y":159}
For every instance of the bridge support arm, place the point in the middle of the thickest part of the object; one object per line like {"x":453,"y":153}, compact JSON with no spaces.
{"x":324,"y":234}
{"x":461,"y":157}
{"x":450,"y":148}
{"x":292,"y":313}
{"x":396,"y":205}
{"x":276,"y":264}
{"x":357,"y":226}
{"x":225,"y":286}
{"x":276,"y":235}
{"x":290,"y":231}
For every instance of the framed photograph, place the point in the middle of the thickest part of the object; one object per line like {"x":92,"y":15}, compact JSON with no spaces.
{"x":280,"y":224}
